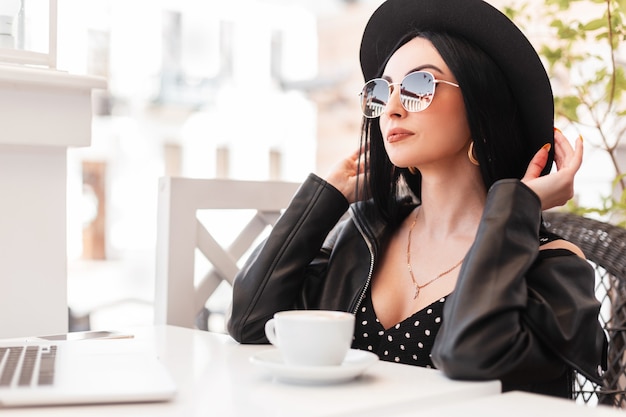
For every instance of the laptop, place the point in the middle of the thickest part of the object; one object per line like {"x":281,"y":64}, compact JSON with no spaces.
{"x":57,"y":370}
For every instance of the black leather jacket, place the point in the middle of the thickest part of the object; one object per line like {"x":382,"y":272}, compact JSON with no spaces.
{"x":518,"y":314}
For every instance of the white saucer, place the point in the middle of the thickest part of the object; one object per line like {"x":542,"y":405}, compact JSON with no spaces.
{"x":354,"y":364}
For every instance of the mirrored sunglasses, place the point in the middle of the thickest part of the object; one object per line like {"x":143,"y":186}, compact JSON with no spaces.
{"x":417,"y":90}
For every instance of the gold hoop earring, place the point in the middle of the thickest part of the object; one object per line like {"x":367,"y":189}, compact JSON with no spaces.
{"x":470,"y":155}
{"x":413,"y":170}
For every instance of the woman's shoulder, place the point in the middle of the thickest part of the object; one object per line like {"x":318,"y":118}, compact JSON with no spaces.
{"x":563,"y":244}
{"x":552,"y":241}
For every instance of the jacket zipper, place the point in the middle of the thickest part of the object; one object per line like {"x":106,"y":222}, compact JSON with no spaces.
{"x":371,"y":270}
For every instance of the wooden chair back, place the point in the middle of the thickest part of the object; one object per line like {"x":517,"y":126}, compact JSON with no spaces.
{"x":180,"y":297}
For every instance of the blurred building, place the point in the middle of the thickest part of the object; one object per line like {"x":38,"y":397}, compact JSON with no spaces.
{"x":243,"y":89}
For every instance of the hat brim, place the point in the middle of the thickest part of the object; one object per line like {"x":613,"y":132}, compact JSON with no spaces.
{"x":486,"y":27}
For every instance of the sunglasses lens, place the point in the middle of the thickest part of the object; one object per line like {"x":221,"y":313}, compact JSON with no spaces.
{"x":416,"y":94}
{"x":417,"y":91}
{"x":374,"y":97}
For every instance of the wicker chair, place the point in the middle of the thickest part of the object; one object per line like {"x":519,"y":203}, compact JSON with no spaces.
{"x":604,"y":246}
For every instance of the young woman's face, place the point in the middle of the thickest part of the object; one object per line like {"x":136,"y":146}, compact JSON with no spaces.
{"x":435,"y":137}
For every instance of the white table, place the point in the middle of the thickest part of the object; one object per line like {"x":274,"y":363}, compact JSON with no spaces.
{"x":516,"y":404}
{"x":216,"y":378}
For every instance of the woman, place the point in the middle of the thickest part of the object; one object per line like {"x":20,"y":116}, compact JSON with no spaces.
{"x":443,"y":258}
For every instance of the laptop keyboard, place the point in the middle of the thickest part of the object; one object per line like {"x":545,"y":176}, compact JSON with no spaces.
{"x":22,"y":366}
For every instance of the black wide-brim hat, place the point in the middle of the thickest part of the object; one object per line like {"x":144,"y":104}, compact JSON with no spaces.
{"x":487,"y":28}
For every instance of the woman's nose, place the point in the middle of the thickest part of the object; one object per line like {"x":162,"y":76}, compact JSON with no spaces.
{"x":394,"y":105}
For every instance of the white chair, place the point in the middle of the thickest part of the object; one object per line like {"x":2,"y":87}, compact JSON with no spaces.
{"x":179,"y":299}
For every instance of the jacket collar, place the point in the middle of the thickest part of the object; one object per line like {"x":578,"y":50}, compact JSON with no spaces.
{"x":371,"y":223}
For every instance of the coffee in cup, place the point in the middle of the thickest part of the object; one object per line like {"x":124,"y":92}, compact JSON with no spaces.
{"x":311,"y":337}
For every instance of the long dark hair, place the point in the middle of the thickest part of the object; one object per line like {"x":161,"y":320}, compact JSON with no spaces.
{"x":492,"y":115}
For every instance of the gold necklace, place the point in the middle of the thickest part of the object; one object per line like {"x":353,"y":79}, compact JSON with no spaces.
{"x":418,"y":287}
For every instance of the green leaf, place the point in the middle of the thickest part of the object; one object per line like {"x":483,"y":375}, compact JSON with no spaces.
{"x":567,"y":106}
{"x":595,"y":25}
{"x":620,"y":83}
{"x":562,"y":4}
{"x":552,"y":55}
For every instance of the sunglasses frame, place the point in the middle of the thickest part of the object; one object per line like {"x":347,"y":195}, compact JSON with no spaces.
{"x":389,"y":85}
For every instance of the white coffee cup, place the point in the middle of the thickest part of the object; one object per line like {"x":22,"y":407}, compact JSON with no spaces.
{"x":311,"y":337}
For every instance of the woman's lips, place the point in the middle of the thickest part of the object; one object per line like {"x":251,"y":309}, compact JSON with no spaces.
{"x":397,"y":134}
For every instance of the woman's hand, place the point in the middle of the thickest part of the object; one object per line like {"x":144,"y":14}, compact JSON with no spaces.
{"x":555,"y":188}
{"x":345,"y":175}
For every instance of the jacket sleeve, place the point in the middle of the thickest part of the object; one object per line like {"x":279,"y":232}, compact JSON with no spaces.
{"x":517,"y":313}
{"x":273,"y":276}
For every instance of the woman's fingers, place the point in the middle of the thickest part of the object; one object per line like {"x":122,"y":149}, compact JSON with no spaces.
{"x":565,"y":156}
{"x":347,"y":173}
{"x":538,"y":162}
{"x":555,"y":188}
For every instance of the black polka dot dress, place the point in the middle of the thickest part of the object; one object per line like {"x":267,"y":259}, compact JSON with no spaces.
{"x":409,"y":342}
